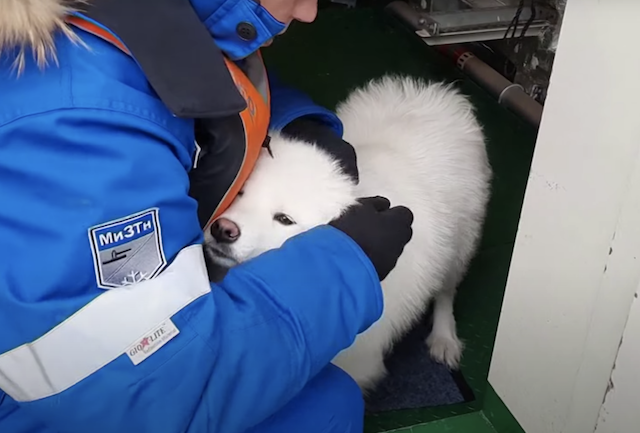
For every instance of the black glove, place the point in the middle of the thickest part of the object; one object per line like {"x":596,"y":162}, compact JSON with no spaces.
{"x":381,"y":231}
{"x":315,"y":131}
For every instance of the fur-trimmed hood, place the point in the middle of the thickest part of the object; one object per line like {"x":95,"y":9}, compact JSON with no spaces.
{"x":29,"y":25}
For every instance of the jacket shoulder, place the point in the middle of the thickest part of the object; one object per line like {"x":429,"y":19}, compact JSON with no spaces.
{"x":90,"y":74}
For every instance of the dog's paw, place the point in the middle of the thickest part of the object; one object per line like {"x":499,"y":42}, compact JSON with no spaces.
{"x":445,"y":350}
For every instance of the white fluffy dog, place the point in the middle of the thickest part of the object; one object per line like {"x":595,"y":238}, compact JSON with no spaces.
{"x":417,"y":144}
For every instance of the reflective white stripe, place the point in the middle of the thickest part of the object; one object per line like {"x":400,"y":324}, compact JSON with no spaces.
{"x":102,"y":330}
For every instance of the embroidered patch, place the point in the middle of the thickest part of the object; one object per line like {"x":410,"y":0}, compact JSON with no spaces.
{"x":152,"y":341}
{"x":128,"y":250}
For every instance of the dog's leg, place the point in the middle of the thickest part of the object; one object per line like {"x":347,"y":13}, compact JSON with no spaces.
{"x":364,"y":362}
{"x":444,"y":345}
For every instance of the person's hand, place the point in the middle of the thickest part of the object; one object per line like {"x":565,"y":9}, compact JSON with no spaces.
{"x":380,"y":230}
{"x":316,"y":131}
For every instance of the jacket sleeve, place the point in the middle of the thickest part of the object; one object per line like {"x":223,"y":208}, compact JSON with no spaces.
{"x":289,"y":104}
{"x":295,"y":114}
{"x":108,"y":320}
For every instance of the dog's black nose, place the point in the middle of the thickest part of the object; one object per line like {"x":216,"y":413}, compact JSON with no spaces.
{"x":225,"y":231}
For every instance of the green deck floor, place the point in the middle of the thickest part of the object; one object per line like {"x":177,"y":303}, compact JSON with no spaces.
{"x":344,"y":48}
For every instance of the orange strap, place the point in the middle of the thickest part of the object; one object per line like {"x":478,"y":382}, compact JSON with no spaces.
{"x":255,"y":118}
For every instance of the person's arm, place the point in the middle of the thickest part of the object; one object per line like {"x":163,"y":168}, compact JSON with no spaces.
{"x":289,"y":104}
{"x":92,"y":196}
{"x":295,"y":114}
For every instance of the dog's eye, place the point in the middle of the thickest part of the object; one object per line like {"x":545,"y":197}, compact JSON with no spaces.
{"x":283,"y":219}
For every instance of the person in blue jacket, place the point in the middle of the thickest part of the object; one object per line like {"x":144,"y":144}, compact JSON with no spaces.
{"x":125,"y":127}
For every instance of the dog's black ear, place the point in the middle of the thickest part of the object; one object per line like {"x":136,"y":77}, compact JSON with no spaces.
{"x":267,"y":145}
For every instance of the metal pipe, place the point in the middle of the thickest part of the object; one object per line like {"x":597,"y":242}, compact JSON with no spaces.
{"x":509,"y":94}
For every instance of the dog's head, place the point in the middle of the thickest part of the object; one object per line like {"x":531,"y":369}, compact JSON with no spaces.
{"x":294,"y":187}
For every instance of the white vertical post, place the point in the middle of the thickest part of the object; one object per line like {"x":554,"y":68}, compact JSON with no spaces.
{"x":620,"y":411}
{"x":575,"y":266}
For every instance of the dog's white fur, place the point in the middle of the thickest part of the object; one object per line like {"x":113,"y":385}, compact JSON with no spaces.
{"x":417,"y":144}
